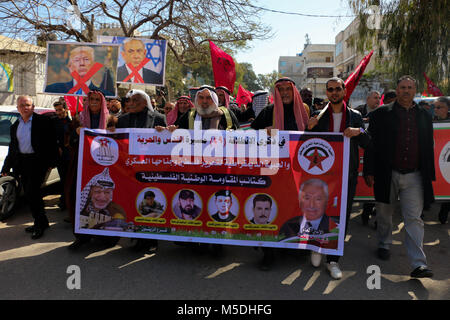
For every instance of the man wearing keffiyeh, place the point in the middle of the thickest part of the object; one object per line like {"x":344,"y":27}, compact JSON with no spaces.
{"x":337,"y":117}
{"x":183,"y":105}
{"x":207,"y":113}
{"x":288,"y":111}
{"x":98,"y":211}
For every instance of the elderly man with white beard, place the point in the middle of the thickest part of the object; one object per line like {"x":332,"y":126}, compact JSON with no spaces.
{"x":207,"y":115}
{"x":208,"y":112}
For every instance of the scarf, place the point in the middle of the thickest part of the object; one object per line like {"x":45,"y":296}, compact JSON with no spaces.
{"x":344,"y":115}
{"x":227,"y":95}
{"x":301,"y":117}
{"x":85,"y":115}
{"x":173,"y":114}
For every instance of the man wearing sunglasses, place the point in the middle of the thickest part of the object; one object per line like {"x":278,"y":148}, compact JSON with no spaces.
{"x":338,"y":117}
{"x":441,"y":107}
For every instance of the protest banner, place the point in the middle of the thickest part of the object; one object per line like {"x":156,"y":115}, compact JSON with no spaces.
{"x":74,"y":69}
{"x":441,"y":186}
{"x":230,"y":187}
{"x":141,"y":61}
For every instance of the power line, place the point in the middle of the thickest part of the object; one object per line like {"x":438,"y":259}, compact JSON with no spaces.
{"x":301,"y":14}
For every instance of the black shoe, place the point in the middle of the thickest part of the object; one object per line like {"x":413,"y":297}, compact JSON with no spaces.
{"x":79,"y":242}
{"x":30,"y":229}
{"x":267,"y":260}
{"x":383,"y":254}
{"x":38,"y":232}
{"x":443,"y":216}
{"x":110,"y":242}
{"x":422,"y":272}
{"x":150,"y":245}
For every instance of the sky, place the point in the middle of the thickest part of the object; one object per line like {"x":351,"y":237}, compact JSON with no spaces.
{"x":290,"y":30}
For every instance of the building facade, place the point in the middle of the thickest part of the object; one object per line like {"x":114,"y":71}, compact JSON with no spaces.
{"x":22,"y":72}
{"x":310,"y":68}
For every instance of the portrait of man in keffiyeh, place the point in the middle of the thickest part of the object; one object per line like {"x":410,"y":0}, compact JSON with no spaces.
{"x":98,"y":211}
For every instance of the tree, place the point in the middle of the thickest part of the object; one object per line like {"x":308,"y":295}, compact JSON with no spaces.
{"x":266,"y":81}
{"x":246,"y":77}
{"x":416,"y":33}
{"x":187,"y":24}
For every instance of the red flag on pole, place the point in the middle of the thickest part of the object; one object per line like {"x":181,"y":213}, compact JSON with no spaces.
{"x":432,"y":88}
{"x":243,"y":96}
{"x":223,"y":67}
{"x":353,"y":79}
{"x":71,"y":102}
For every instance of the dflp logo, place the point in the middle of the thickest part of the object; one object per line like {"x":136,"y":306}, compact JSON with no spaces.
{"x":316,"y":156}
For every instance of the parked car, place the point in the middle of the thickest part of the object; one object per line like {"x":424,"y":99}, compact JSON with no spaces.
{"x":10,"y":186}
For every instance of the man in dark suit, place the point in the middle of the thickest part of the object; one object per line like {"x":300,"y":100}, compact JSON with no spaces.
{"x":81,"y":60}
{"x":141,"y":115}
{"x":400,"y":164}
{"x":134,"y":53}
{"x":32,"y":152}
{"x":313,"y":199}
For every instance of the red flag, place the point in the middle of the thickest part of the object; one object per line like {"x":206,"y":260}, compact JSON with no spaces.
{"x":432,"y":88}
{"x":243,"y":96}
{"x":71,"y":102}
{"x":382,"y":100}
{"x":424,"y":93}
{"x":353,"y":79}
{"x":271,"y":98}
{"x":223,"y":67}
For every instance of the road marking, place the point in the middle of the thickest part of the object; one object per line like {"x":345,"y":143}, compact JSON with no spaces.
{"x":292,"y":277}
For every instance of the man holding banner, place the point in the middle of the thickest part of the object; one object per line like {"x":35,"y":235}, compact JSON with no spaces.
{"x":400,"y":164}
{"x":287,"y":113}
{"x":337,"y":117}
{"x":207,"y":114}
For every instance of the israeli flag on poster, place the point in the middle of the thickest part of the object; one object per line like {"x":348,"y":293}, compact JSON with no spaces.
{"x":141,"y":61}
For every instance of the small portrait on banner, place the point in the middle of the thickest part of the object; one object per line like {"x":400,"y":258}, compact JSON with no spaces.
{"x":261,"y":209}
{"x":313,"y":220}
{"x":223,"y":206}
{"x":98,"y":210}
{"x":151,"y":203}
{"x":187,"y":205}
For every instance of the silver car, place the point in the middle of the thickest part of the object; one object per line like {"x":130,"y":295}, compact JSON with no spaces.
{"x":10,"y":187}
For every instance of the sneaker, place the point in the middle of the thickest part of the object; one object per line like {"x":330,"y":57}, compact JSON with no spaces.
{"x":335,"y":272}
{"x":315,"y":258}
{"x":422,"y":272}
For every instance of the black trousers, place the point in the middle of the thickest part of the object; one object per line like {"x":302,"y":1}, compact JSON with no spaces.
{"x":32,"y":175}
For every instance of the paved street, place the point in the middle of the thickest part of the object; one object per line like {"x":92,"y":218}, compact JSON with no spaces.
{"x":38,"y":269}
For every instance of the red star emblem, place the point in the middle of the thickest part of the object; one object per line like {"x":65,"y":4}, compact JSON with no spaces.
{"x":315,"y":160}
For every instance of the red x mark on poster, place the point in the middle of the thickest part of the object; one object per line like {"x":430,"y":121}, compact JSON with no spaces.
{"x":81,"y":81}
{"x":135,"y":71}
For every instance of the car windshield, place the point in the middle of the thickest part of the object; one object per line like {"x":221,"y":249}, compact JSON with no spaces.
{"x":6,"y":120}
